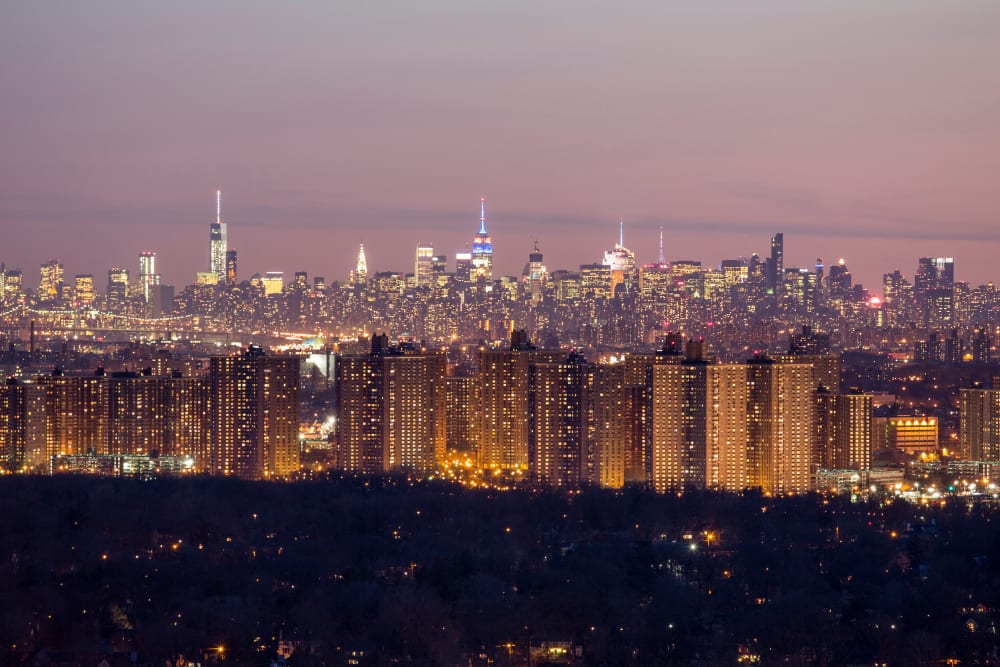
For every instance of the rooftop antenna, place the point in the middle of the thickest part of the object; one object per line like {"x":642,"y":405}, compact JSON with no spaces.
{"x":621,"y":232}
{"x":661,"y":245}
{"x":482,"y":216}
{"x":218,"y":206}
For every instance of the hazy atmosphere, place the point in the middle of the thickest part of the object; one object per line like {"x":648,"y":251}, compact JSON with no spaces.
{"x":860,"y":130}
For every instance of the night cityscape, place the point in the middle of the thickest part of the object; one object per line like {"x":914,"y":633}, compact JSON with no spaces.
{"x":421,"y":366}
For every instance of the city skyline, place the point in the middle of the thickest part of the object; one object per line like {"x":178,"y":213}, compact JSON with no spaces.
{"x":722,"y":123}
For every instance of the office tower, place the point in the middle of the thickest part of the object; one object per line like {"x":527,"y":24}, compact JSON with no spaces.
{"x":148,"y":278}
{"x":231,"y":266}
{"x":839,"y":281}
{"x":254,"y":402}
{"x":273,"y":282}
{"x":423,"y":266}
{"x":439,"y":267}
{"x":933,"y":288}
{"x":534,"y":275}
{"x":559,"y":396}
{"x":117,"y":291}
{"x":392,"y":407}
{"x":735,"y":271}
{"x":83,"y":289}
{"x":482,"y":249}
{"x":910,"y":434}
{"x":217,"y":244}
{"x":979,"y":423}
{"x":595,"y":282}
{"x":802,"y":287}
{"x":13,"y":288}
{"x":359,"y":275}
{"x":779,"y":425}
{"x":51,"y":283}
{"x":776,"y":264}
{"x":621,"y":265}
{"x":656,"y":284}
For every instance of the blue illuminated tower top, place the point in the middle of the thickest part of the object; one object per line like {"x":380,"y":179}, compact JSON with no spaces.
{"x":482,"y":248}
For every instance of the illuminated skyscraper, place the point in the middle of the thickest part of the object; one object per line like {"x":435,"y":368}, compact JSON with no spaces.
{"x":254,"y":403}
{"x":148,"y":278}
{"x":559,"y":396}
{"x":621,"y":265}
{"x":979,"y":418}
{"x":535,"y":275}
{"x":780,"y":425}
{"x":51,"y":284}
{"x":359,"y":275}
{"x":231,"y":267}
{"x":423,"y":266}
{"x":392,"y":406}
{"x":775,"y":270}
{"x":482,"y":249}
{"x":83,"y":289}
{"x":117,"y":290}
{"x":504,"y":386}
{"x":218,"y":242}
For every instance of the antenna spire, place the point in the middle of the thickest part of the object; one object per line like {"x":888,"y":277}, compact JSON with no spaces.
{"x":621,"y":232}
{"x":482,"y":216}
{"x":218,"y":206}
{"x":662,"y":260}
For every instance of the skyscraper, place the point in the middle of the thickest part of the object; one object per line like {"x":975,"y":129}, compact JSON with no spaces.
{"x":148,"y":278}
{"x":392,"y":406}
{"x":423,"y":266}
{"x":559,"y":394}
{"x":217,"y":244}
{"x":231,"y":268}
{"x":780,"y":424}
{"x":51,"y":283}
{"x":979,"y":415}
{"x":359,"y":274}
{"x":776,"y":264}
{"x":254,"y":403}
{"x":482,"y":249}
{"x":621,"y":265}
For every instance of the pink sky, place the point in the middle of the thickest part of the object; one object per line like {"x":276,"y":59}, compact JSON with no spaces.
{"x":869,"y":131}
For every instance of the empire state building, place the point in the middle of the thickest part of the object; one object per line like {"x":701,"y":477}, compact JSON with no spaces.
{"x":482,"y":248}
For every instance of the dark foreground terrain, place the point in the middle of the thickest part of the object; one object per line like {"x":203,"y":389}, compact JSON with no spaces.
{"x":381,"y":571}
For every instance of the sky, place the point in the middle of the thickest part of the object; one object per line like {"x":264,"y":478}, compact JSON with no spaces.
{"x":863,"y":130}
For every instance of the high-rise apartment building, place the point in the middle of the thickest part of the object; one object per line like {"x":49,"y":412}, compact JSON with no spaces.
{"x":779,"y":425}
{"x":979,"y":423}
{"x":559,"y":396}
{"x":504,"y":386}
{"x":392,"y":407}
{"x":254,"y":402}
